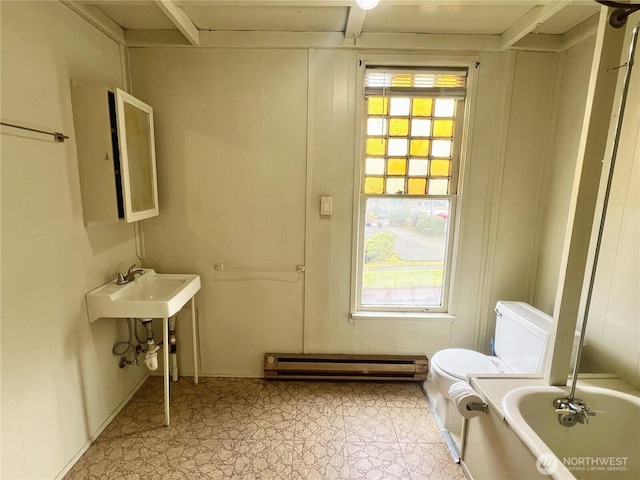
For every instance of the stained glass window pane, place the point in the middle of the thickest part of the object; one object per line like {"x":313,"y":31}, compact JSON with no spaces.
{"x":441,"y":148}
{"x":422,"y":107}
{"x":438,"y":186}
{"x":420,"y":127}
{"x":374,"y":166}
{"x":419,"y":148}
{"x":399,"y":127}
{"x":416,"y":186}
{"x":378,"y":106}
{"x":373,"y":185}
{"x":440,"y":168}
{"x":376,"y":126}
{"x":400,"y":106}
{"x":395,"y":185}
{"x":443,"y":128}
{"x":397,"y":166}
{"x":444,"y":107}
{"x":418,"y":167}
{"x":397,"y":147}
{"x":376,"y":146}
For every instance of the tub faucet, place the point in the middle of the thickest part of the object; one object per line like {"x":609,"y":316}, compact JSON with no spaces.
{"x":573,"y":411}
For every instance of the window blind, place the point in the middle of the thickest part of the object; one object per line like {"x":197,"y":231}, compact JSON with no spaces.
{"x":450,"y":83}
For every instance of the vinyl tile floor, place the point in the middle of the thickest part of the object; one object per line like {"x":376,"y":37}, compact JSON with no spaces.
{"x":233,"y":428}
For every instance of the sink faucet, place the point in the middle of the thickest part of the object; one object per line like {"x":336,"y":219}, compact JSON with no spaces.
{"x":123,"y":278}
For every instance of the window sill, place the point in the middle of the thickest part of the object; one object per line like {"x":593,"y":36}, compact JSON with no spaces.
{"x":365,"y":315}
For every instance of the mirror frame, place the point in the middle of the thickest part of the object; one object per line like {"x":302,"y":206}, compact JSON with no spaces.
{"x":123,"y":97}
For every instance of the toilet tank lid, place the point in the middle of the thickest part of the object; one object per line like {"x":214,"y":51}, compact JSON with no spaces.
{"x":460,"y":362}
{"x":528,"y":316}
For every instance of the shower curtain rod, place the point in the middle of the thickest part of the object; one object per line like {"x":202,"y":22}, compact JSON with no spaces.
{"x":59,"y":137}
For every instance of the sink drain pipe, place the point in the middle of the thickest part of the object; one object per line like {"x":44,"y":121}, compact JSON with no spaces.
{"x":151,"y":353}
{"x":173,"y":351}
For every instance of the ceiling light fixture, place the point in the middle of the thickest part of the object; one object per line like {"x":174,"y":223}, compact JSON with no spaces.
{"x":367,"y":4}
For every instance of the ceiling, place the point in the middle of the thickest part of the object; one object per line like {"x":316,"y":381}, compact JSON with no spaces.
{"x":499,"y":24}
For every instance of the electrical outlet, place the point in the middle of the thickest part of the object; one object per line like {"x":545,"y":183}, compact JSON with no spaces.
{"x":326,"y":206}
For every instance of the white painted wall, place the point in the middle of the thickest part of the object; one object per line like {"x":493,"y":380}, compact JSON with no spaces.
{"x":613,"y":326}
{"x":560,"y":164}
{"x":248,"y":141}
{"x":60,"y":381}
{"x":231,"y":146}
{"x":517,"y":205}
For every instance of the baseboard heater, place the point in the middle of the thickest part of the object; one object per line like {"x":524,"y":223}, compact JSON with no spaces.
{"x":279,"y":366}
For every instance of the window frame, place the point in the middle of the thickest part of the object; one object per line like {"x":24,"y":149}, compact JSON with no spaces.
{"x":462,"y":129}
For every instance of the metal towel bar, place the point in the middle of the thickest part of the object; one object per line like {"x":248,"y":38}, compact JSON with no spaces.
{"x":59,"y":137}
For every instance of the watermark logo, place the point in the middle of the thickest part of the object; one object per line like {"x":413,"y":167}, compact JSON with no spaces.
{"x":548,"y":463}
{"x":602,"y":464}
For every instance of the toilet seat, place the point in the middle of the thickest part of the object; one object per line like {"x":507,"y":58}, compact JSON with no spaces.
{"x":460,"y":362}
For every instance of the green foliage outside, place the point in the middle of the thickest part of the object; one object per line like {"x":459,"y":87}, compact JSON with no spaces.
{"x":402,"y":278}
{"x":379,"y":245}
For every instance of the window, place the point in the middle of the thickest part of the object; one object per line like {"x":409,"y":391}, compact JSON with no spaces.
{"x":411,"y":134}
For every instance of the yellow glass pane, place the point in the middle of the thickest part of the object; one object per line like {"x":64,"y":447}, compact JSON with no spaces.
{"x":422,"y":107}
{"x":376,"y":146}
{"x":378,"y":106}
{"x":373,"y":185}
{"x":419,"y":148}
{"x":443,"y":128}
{"x":397,"y":166}
{"x":399,"y":127}
{"x":417,"y":186}
{"x":439,"y":168}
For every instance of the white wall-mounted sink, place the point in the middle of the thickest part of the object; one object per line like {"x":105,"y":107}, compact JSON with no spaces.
{"x":151,"y":295}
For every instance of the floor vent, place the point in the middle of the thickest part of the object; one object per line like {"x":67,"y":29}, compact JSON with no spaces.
{"x":278,"y":366}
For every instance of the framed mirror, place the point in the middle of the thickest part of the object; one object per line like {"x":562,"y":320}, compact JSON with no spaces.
{"x":137,"y":157}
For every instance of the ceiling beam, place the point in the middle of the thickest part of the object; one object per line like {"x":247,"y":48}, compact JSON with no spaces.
{"x":355,"y":21}
{"x":579,"y":33}
{"x":180,"y":20}
{"x":527,"y":24}
{"x":375,"y":41}
{"x":99,"y":20}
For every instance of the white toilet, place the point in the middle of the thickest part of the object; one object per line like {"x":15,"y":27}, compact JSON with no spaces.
{"x":520,"y":344}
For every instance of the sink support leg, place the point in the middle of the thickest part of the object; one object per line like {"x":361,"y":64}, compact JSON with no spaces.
{"x":195,"y":340}
{"x":165,"y":352}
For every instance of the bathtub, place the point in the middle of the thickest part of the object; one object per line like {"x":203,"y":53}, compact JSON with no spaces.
{"x":609,"y":447}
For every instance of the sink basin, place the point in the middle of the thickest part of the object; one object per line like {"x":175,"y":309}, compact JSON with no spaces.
{"x":152,"y":295}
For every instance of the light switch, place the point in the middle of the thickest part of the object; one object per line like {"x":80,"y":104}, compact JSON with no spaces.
{"x":326,"y":206}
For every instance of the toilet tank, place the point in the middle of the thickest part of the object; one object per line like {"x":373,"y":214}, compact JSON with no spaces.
{"x":521,"y":336}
